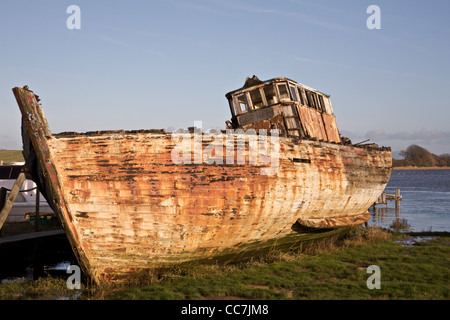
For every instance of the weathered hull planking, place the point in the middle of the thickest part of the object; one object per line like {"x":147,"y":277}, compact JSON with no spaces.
{"x":126,"y":206}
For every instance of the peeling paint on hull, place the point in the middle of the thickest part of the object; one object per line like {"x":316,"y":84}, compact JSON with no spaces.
{"x":126,"y":206}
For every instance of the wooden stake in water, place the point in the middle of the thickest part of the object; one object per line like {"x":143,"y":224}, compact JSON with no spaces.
{"x":397,"y":198}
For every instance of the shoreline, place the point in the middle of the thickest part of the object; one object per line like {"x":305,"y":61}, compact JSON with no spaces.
{"x":325,"y":273}
{"x":418,"y":168}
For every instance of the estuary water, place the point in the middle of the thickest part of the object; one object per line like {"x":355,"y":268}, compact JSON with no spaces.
{"x":425,"y":204}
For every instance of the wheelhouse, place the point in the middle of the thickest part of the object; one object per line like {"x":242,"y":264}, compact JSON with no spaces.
{"x":293,"y":108}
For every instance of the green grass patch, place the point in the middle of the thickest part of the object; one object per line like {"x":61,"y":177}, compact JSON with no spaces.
{"x":334,"y":268}
{"x":330,"y":269}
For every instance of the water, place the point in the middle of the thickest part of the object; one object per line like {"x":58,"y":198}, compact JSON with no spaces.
{"x":30,"y":259}
{"x":426,"y":201}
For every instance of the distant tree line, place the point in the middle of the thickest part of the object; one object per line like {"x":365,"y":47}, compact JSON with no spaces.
{"x":417,"y":156}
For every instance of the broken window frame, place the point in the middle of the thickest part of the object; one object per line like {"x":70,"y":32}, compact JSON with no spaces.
{"x":301,"y":95}
{"x":232,"y":106}
{"x":309,"y":99}
{"x":237,"y":103}
{"x":321,"y":103}
{"x":274,"y":96}
{"x":316,"y":101}
{"x":327,"y":105}
{"x":262,"y":102}
{"x":278,"y":85}
{"x":293,"y":92}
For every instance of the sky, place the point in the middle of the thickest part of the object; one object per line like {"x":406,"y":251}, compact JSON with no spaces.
{"x":165,"y":64}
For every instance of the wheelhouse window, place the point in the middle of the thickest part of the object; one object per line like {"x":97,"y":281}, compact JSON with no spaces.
{"x":241,"y":103}
{"x":283,"y":91}
{"x":293,"y":93}
{"x":300,"y":96}
{"x":309,"y":99}
{"x":321,"y":103}
{"x":269,"y":92}
{"x":256,"y":97}
{"x":316,"y":101}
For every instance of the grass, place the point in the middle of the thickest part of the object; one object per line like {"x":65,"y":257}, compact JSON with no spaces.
{"x":11,"y":156}
{"x":47,"y":288}
{"x":330,"y":269}
{"x":324,"y":270}
{"x":400,"y":224}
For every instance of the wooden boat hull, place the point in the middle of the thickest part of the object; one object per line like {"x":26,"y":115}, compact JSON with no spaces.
{"x":126,"y":206}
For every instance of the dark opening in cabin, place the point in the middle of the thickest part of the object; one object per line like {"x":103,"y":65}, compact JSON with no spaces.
{"x":271,"y":97}
{"x":300,"y":96}
{"x":282,"y":90}
{"x":256,"y":98}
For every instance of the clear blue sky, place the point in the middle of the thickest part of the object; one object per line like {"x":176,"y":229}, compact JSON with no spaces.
{"x":160,"y":64}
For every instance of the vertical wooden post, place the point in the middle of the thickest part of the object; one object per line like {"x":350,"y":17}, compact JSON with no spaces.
{"x":3,"y":193}
{"x":36,"y":220}
{"x":397,"y":198}
{"x":11,"y":198}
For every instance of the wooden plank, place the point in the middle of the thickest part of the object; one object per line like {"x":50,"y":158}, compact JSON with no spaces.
{"x":11,"y":198}
{"x":255,"y":116}
{"x":312,"y":121}
{"x":331,"y":127}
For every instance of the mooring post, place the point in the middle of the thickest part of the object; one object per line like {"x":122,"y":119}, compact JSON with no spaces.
{"x":397,"y":198}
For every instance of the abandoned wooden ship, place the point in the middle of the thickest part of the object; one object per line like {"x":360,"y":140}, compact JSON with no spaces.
{"x":127,"y":206}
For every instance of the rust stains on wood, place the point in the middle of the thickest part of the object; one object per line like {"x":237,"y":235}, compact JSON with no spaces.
{"x":294,"y":109}
{"x":36,"y":138}
{"x":126,"y":206}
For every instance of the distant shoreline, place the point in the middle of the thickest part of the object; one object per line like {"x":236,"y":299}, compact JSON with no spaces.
{"x":418,"y":168}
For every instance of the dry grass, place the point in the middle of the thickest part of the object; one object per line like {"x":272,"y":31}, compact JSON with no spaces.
{"x":11,"y":156}
{"x":400,"y":224}
{"x":254,"y":278}
{"x":333,"y":268}
{"x":357,"y":236}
